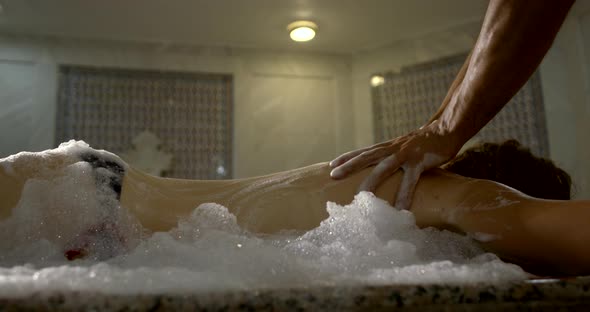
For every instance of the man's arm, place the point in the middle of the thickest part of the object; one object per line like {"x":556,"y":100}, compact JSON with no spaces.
{"x":456,"y":83}
{"x":514,"y":37}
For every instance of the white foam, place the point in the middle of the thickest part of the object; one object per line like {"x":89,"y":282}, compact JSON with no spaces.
{"x":366,"y":242}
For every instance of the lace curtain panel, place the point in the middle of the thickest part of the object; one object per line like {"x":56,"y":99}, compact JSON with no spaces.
{"x":190,"y":113}
{"x":407,"y":99}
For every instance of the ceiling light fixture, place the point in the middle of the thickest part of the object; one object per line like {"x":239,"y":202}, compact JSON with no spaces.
{"x":301,"y":31}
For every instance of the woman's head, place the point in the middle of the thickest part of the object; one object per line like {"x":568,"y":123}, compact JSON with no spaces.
{"x":511,"y":164}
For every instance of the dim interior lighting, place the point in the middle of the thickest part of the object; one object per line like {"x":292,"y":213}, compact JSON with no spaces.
{"x":302,"y":30}
{"x":377,"y":80}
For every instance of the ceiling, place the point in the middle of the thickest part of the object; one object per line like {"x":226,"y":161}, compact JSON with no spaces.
{"x":345,"y":26}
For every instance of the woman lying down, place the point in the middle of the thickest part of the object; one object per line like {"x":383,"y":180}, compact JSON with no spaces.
{"x":512,"y":203}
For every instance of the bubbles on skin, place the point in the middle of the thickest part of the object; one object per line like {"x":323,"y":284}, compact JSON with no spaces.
{"x":484,"y":237}
{"x":366,"y":242}
{"x":498,"y":202}
{"x":451,"y":216}
{"x":503,"y":202}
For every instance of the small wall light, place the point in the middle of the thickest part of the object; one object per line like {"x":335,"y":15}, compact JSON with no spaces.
{"x":377,"y":80}
{"x":302,"y":30}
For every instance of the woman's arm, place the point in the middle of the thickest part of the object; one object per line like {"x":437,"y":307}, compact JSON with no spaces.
{"x":543,"y":236}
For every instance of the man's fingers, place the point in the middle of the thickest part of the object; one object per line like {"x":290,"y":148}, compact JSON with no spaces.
{"x":362,"y":160}
{"x":406,"y":189}
{"x":382,"y":171}
{"x":350,"y":155}
{"x":346,"y":157}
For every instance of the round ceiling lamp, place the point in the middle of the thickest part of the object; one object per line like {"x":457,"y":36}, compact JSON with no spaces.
{"x":301,"y":31}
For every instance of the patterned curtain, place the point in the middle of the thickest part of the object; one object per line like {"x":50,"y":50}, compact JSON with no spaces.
{"x":191,"y":114}
{"x":407,"y":99}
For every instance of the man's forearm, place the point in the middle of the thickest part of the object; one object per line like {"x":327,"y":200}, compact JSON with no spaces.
{"x":515,"y":36}
{"x":452,"y":89}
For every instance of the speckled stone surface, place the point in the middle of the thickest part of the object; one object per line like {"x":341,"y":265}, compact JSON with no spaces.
{"x":533,"y":295}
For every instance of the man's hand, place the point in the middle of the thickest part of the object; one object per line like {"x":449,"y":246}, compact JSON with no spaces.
{"x":416,"y":152}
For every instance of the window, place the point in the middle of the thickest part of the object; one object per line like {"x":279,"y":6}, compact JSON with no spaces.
{"x":191,"y":114}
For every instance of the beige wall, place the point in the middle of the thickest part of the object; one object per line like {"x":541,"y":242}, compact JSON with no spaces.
{"x":290,"y":110}
{"x":565,"y":74}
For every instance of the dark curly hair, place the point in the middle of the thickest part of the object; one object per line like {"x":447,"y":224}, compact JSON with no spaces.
{"x":511,"y":164}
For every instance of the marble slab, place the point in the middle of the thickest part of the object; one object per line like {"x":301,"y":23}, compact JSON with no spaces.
{"x":538,"y":295}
